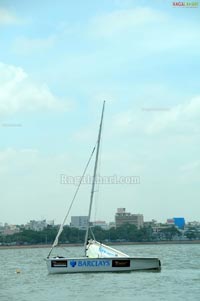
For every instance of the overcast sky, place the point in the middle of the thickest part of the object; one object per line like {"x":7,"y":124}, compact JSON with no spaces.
{"x":58,"y":62}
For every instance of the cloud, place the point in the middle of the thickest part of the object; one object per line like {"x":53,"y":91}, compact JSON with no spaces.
{"x":120,"y":21}
{"x":12,"y":160}
{"x":124,"y":120}
{"x":18,"y":92}
{"x":153,"y":120}
{"x":182,"y":117}
{"x":133,"y":31}
{"x":123,"y":3}
{"x":190,"y":172}
{"x":7,"y":18}
{"x":191,"y":167}
{"x":29,"y":180}
{"x":23,"y":45}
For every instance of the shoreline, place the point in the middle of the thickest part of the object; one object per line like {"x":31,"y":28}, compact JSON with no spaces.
{"x":164,"y":242}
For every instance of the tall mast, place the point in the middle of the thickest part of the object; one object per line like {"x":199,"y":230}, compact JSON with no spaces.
{"x":94,"y":177}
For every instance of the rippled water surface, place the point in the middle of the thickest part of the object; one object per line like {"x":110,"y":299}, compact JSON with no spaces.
{"x":178,"y":280}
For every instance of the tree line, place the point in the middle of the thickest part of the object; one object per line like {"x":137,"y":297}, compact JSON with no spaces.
{"x":125,"y":233}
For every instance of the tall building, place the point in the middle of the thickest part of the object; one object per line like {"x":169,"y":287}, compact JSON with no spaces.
{"x":79,"y":222}
{"x":123,"y":217}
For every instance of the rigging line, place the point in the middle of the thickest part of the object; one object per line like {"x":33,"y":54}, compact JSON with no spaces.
{"x":77,"y":189}
{"x":99,"y":180}
{"x":92,"y":233}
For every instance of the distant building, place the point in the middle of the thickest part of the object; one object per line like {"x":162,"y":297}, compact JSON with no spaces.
{"x":170,"y":221}
{"x":1,"y":227}
{"x":9,"y":229}
{"x":152,"y":223}
{"x":112,"y":225}
{"x":101,"y":224}
{"x":123,"y":217}
{"x":194,"y":224}
{"x":79,"y":222}
{"x":179,"y":222}
{"x":36,"y":225}
{"x":50,"y":223}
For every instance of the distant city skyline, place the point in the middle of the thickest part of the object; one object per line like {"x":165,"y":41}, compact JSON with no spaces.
{"x":57,"y":66}
{"x":53,"y":221}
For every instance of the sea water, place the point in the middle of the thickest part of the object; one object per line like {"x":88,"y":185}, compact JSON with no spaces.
{"x":24,"y":277}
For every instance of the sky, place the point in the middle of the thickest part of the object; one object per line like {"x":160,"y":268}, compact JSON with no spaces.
{"x":58,"y":62}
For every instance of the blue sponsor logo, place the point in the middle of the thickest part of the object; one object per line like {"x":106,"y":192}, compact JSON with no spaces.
{"x":73,"y":263}
{"x":93,"y":263}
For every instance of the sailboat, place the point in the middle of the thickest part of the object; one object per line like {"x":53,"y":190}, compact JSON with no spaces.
{"x":98,"y":257}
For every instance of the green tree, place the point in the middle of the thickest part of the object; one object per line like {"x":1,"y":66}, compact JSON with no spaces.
{"x":170,"y":232}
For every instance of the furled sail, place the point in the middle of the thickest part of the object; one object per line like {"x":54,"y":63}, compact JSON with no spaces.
{"x":95,"y":249}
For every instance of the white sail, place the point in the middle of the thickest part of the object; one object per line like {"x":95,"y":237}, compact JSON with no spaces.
{"x":96,"y":249}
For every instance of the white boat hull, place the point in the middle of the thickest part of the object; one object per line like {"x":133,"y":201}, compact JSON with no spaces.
{"x":111,"y":264}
